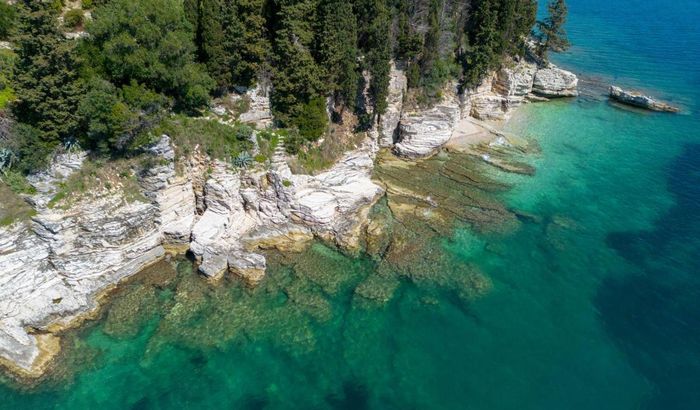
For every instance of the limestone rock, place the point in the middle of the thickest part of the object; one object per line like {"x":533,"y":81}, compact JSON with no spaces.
{"x":552,"y":81}
{"x":388,"y":125}
{"x":639,"y":100}
{"x":423,"y":132}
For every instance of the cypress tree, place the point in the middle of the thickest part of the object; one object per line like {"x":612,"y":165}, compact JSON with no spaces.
{"x":483,"y":42}
{"x":337,"y":49}
{"x":46,"y":80}
{"x":374,"y":40}
{"x":297,"y":77}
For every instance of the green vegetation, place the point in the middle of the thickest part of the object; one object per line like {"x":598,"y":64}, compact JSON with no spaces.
{"x":215,"y":139}
{"x":267,"y":142}
{"x":550,"y":31}
{"x":98,"y":177}
{"x":7,"y":19}
{"x":316,"y":158}
{"x":74,"y":18}
{"x":152,"y":66}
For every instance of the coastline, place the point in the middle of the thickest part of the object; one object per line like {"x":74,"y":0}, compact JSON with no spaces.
{"x":331,"y":206}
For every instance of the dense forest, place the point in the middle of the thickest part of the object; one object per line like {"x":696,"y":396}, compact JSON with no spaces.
{"x":141,"y":60}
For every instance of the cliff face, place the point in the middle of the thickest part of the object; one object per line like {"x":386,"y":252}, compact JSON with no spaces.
{"x":419,"y":133}
{"x":53,"y":270}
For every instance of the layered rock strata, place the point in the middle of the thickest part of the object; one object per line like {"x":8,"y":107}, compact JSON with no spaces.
{"x":54,"y":269}
{"x":420,"y":132}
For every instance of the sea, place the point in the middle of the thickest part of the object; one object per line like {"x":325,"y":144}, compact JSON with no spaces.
{"x":592,"y":301}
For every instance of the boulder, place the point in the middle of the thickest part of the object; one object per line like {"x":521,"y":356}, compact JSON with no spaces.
{"x":552,"y":82}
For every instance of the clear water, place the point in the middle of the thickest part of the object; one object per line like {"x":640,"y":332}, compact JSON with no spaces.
{"x":593,"y":302}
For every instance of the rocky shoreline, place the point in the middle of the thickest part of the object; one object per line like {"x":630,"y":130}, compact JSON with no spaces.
{"x":55,"y":269}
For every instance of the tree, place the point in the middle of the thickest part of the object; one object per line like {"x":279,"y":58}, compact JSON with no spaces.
{"x":375,"y":42}
{"x":245,"y":40}
{"x":337,"y":50}
{"x":483,"y":42}
{"x":46,"y":75}
{"x":150,"y":42}
{"x":551,"y":35}
{"x":7,"y":19}
{"x":297,"y":76}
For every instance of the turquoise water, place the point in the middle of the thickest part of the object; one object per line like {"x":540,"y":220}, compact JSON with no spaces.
{"x":592,"y":300}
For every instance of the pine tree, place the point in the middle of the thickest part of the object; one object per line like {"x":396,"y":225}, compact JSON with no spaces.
{"x":337,"y":49}
{"x":46,"y":81}
{"x":551,"y":35}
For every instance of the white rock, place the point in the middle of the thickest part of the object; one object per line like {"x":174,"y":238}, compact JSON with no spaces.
{"x":555,"y":82}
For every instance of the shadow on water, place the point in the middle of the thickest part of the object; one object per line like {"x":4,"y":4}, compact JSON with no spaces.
{"x":653,"y":315}
{"x":354,"y":396}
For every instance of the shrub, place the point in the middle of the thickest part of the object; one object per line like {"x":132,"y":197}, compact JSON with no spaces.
{"x":74,"y":18}
{"x":87,"y":4}
{"x":313,"y":119}
{"x":7,"y":19}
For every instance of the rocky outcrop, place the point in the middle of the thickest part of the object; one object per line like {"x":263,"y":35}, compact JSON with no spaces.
{"x":553,"y":82}
{"x":388,"y":124}
{"x":53,"y":270}
{"x":639,"y":100}
{"x":422,"y":132}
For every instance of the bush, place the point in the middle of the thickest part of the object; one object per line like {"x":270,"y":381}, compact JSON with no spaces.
{"x":7,"y":19}
{"x":313,"y":119}
{"x":74,"y":18}
{"x":87,"y":4}
{"x":217,"y":140}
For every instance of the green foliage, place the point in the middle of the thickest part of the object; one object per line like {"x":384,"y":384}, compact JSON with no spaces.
{"x":550,"y":34}
{"x":243,"y":160}
{"x":13,"y":208}
{"x":297,"y":77}
{"x":246,"y":39}
{"x":74,"y":18}
{"x":150,"y":42}
{"x":312,"y":119}
{"x":217,"y":140}
{"x":87,"y":4}
{"x":267,"y":142}
{"x":8,"y":14}
{"x":17,"y":182}
{"x":46,"y":75}
{"x":375,"y":42}
{"x":337,"y":50}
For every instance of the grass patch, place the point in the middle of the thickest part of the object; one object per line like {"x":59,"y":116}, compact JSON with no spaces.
{"x":316,"y":158}
{"x":219,"y":141}
{"x":97,"y":178}
{"x":12,"y":207}
{"x":267,"y":143}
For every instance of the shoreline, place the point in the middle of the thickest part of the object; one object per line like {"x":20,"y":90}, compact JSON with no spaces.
{"x":273,"y":205}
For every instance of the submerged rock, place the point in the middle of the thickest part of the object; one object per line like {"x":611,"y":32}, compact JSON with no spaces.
{"x":639,"y":100}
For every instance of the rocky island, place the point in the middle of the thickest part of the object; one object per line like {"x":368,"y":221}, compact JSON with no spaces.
{"x":639,"y":100}
{"x":186,"y":196}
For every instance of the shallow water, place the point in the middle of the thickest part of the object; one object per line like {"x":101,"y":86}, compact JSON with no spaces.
{"x":590,"y":301}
